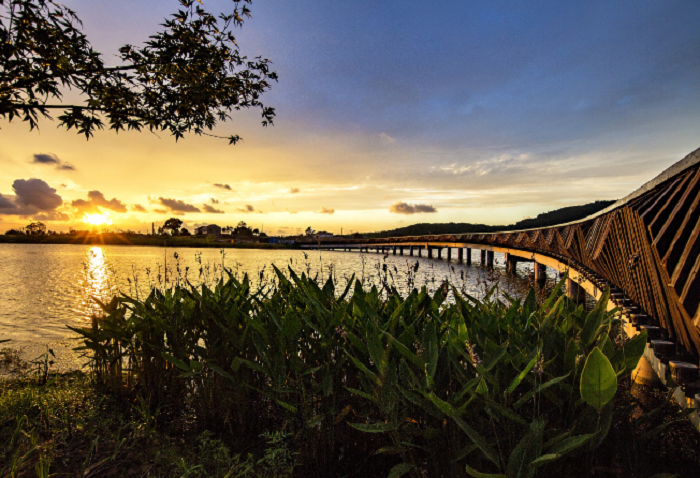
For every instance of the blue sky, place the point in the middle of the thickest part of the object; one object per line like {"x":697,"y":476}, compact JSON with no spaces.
{"x":488,"y":111}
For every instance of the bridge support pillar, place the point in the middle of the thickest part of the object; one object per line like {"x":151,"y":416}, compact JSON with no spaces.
{"x":575,"y":291}
{"x":483,"y":258}
{"x":430,"y":252}
{"x":410,"y":251}
{"x":460,"y":255}
{"x":420,"y":251}
{"x":449,"y":254}
{"x":469,"y":256}
{"x":511,"y":263}
{"x":394,"y":250}
{"x":489,"y":259}
{"x":540,"y":272}
{"x":401,"y":250}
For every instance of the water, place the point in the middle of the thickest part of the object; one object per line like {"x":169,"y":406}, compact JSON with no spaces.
{"x":45,"y":287}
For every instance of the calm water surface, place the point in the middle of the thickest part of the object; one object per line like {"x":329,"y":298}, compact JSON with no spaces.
{"x":45,"y":287}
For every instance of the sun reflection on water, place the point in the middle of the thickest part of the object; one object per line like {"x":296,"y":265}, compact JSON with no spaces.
{"x":98,"y":282}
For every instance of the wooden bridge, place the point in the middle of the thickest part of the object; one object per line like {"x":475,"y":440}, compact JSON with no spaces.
{"x":645,"y":247}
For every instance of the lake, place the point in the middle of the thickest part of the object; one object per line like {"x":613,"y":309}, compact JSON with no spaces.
{"x":44,"y":287}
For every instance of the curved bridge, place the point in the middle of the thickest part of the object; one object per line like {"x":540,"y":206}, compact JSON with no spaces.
{"x":645,"y":247}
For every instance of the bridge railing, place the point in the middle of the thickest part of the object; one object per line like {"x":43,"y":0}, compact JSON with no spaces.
{"x":647,"y":245}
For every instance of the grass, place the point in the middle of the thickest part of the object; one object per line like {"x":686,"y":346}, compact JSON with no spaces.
{"x":69,"y":427}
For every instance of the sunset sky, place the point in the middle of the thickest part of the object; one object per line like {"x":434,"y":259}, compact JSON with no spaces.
{"x":388,"y":113}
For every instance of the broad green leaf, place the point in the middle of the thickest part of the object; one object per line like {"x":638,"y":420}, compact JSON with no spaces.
{"x":476,"y":474}
{"x":634,"y":350}
{"x":522,"y":375}
{"x":526,"y":451}
{"x":598,"y":380}
{"x":430,"y":344}
{"x":570,"y":444}
{"x":372,"y":427}
{"x":525,"y":398}
{"x":175,"y":361}
{"x":473,"y":435}
{"x":594,"y":320}
{"x":400,"y":470}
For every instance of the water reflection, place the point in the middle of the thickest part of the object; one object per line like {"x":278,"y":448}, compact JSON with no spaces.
{"x":43,"y":288}
{"x":98,"y":282}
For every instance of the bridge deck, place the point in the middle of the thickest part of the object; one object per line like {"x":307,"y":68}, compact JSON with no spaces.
{"x":646,"y":245}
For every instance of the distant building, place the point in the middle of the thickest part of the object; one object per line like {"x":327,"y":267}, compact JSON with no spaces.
{"x":324,"y":234}
{"x":153,"y":228}
{"x":211,"y":229}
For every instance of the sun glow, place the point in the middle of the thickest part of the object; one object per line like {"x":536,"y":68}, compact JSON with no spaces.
{"x":97,"y":219}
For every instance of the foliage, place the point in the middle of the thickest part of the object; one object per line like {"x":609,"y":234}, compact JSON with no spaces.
{"x":173,"y":225}
{"x":186,"y":78}
{"x":433,"y":387}
{"x":36,"y":229}
{"x":67,"y":427}
{"x":135,"y":240}
{"x":546,"y":219}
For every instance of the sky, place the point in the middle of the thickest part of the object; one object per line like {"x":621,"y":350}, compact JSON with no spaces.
{"x":389,"y":113}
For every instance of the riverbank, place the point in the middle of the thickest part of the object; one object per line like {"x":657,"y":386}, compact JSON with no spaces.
{"x":113,"y":239}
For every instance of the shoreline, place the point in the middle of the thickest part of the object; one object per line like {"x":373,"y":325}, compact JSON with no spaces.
{"x":112,"y":239}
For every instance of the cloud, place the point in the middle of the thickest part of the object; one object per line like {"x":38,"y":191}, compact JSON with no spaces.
{"x":160,"y":211}
{"x":247,"y":209}
{"x":294,"y":190}
{"x":386,"y":138}
{"x":46,"y":158}
{"x":97,"y":200}
{"x":35,"y":198}
{"x":214,"y":201}
{"x":52,"y":159}
{"x":212,"y":209}
{"x":36,"y":193}
{"x":6,"y":203}
{"x":404,"y":208}
{"x":138,"y":208}
{"x":223,"y":186}
{"x":325,"y":210}
{"x":51,"y":216}
{"x":177,"y":205}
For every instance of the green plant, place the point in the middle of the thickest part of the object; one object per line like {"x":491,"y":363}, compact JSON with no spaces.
{"x":433,"y":387}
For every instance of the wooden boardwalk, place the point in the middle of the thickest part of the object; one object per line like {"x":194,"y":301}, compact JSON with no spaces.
{"x":645,"y":247}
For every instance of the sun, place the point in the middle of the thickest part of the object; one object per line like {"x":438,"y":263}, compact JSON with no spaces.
{"x":97,"y":219}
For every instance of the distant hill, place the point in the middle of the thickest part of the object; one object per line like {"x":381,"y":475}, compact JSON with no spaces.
{"x":551,"y":218}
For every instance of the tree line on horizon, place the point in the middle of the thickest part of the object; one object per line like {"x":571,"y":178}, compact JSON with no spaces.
{"x":546,"y":219}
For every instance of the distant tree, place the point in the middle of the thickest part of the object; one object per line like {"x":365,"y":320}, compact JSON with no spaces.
{"x":173,"y":225}
{"x":36,"y":228}
{"x":14,"y":232}
{"x":242,"y":229}
{"x":256,"y":231}
{"x":185,"y":232}
{"x":309,"y":231}
{"x":185,"y":79}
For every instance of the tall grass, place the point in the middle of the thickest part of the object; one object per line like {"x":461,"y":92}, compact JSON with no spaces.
{"x":415,"y":385}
